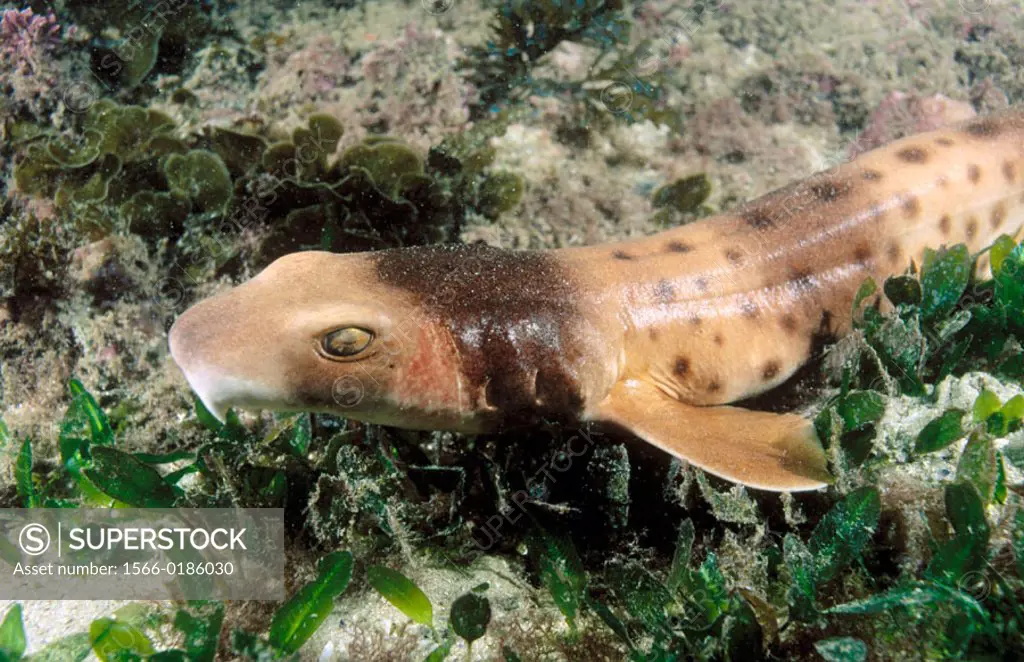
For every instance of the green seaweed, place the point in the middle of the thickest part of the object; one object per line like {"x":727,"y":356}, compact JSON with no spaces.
{"x":524,"y":31}
{"x":200,"y":176}
{"x":685,"y":196}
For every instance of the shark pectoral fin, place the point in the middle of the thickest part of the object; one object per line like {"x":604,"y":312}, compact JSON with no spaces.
{"x":778,"y":452}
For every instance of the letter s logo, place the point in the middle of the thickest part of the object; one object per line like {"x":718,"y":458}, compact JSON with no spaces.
{"x":34,"y":539}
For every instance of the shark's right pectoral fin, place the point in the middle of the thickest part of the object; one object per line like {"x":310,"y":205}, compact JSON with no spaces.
{"x":778,"y":452}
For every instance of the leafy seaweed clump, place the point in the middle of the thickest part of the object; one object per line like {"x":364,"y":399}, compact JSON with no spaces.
{"x":126,"y":170}
{"x":523,"y":31}
{"x":133,"y":39}
{"x":376,"y":194}
{"x":945,"y":323}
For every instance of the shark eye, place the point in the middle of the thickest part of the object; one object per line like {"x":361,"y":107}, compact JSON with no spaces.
{"x":347,"y":341}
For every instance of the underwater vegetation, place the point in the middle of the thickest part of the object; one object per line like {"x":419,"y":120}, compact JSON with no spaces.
{"x":125,"y":172}
{"x":131,"y":39}
{"x":522,"y":31}
{"x":847,"y":578}
{"x":593,"y":548}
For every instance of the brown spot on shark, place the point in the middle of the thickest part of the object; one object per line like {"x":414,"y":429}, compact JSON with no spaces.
{"x":894,"y":251}
{"x":863,"y":253}
{"x":759,"y":219}
{"x":911,"y":206}
{"x":913,"y":154}
{"x":971,"y":230}
{"x":789,"y":324}
{"x":986,"y":128}
{"x":998,"y":215}
{"x":1009,"y":171}
{"x":829,"y":189}
{"x":664,"y":291}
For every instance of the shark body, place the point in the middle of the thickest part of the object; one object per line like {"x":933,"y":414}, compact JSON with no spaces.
{"x":657,"y":334}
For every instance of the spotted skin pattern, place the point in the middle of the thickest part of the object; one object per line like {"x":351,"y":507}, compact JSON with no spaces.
{"x":654,"y":334}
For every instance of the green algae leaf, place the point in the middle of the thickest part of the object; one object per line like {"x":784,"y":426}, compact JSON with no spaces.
{"x":700,"y":600}
{"x":710,"y":585}
{"x":302,"y":435}
{"x":857,"y":411}
{"x":858,"y":408}
{"x":470,"y":614}
{"x":944,"y":277}
{"x":252,"y":648}
{"x":940,"y":432}
{"x":741,"y":632}
{"x":401,"y":592}
{"x":686,"y":194}
{"x":842,"y":649}
{"x":986,"y":404}
{"x":643,"y":596}
{"x":154,"y":213}
{"x":124,"y":477}
{"x":1001,"y":248}
{"x":240,"y":151}
{"x":499,"y":193}
{"x":681,"y":558}
{"x":201,"y":176}
{"x":1013,"y":410}
{"x":1001,"y":491}
{"x":99,"y":425}
{"x":384,"y":162}
{"x":12,"y":634}
{"x":441,"y":653}
{"x":1018,"y":541}
{"x":801,"y":594}
{"x":959,"y":630}
{"x":5,"y":434}
{"x":23,"y":476}
{"x":966,"y":553}
{"x":231,"y":430}
{"x":1009,"y":286}
{"x":140,"y":56}
{"x":966,"y":512}
{"x":843,"y":531}
{"x":561,"y":571}
{"x":112,"y":639}
{"x":72,"y":648}
{"x":979,"y":465}
{"x":202,"y":633}
{"x":85,"y":425}
{"x":298,"y":618}
{"x":903,"y":290}
{"x":610,"y":619}
{"x":764,"y":612}
{"x":866,"y":289}
{"x":327,"y":128}
{"x":916,"y":594}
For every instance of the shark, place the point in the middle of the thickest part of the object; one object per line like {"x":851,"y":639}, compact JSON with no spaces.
{"x":660,"y":335}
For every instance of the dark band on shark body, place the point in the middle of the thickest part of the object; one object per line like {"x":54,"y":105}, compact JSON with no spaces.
{"x":511,"y":315}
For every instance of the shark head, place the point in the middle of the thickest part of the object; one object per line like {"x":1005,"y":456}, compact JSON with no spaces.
{"x":318,"y":331}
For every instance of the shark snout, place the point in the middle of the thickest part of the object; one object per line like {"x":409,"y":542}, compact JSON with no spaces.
{"x":206,"y":350}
